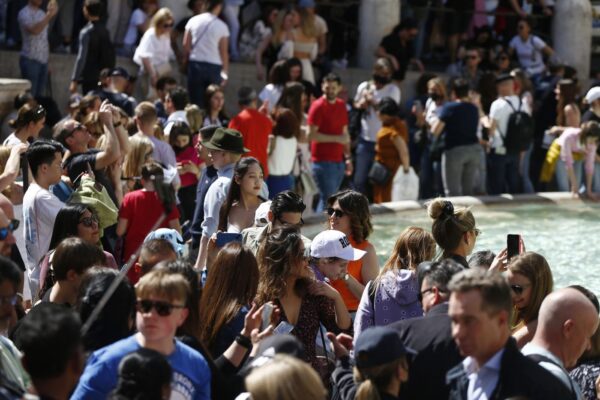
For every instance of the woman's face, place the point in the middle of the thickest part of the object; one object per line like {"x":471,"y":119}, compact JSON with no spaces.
{"x":182,"y":141}
{"x":503,"y":61}
{"x":302,"y":268}
{"x":165,"y":27}
{"x":304,"y":101}
{"x":87,"y":228}
{"x":339,"y":219}
{"x":295,"y":73}
{"x":296,"y":19}
{"x":217,"y":101}
{"x":251,"y":182}
{"x":520,"y":288}
{"x":36,"y":127}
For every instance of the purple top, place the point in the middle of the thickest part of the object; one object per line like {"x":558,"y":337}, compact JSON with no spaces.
{"x":395,"y":299}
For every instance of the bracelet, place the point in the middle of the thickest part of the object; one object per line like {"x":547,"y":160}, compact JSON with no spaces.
{"x":243,"y":341}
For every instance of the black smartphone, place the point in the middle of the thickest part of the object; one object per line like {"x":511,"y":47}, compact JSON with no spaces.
{"x":226,"y":237}
{"x":513,"y":245}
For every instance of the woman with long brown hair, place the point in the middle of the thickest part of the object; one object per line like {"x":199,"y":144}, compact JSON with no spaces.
{"x":567,"y":110}
{"x":227,"y":296}
{"x":283,"y":143}
{"x":394,"y":294}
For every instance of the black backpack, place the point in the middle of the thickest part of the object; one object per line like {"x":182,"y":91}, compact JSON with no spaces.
{"x":519,"y":131}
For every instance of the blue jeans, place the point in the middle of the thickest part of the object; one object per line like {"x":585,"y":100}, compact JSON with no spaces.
{"x":503,"y":173}
{"x":36,"y":73}
{"x":596,"y":181}
{"x":364,"y":156}
{"x":200,"y":76}
{"x":562,"y":177}
{"x":329,"y":176}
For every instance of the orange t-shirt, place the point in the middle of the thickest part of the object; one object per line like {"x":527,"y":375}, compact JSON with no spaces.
{"x":354,"y":269}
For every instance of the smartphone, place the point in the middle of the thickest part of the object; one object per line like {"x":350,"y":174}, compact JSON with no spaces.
{"x":513,"y":245}
{"x":226,"y":237}
{"x":266,"y":315}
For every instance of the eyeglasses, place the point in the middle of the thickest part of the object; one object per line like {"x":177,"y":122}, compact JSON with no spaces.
{"x":88,"y":222}
{"x":162,"y":308}
{"x":518,"y":289}
{"x":12,"y":226}
{"x":8,"y":300}
{"x":298,"y":225}
{"x":421,"y":294}
{"x":335,"y":212}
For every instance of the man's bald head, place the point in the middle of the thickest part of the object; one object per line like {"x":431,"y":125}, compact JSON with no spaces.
{"x":566,"y":322}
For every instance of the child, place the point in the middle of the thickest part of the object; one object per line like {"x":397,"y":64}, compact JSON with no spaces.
{"x":161,"y":309}
{"x":188,"y":167}
{"x":139,"y":212}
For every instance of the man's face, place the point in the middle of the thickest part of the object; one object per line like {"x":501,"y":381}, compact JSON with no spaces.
{"x":7,"y":303}
{"x":428,"y":295}
{"x":288,"y":218}
{"x":9,"y":240}
{"x":333,"y":268}
{"x":475,"y":331}
{"x":472,"y":58}
{"x":203,"y":153}
{"x":155,"y":327}
{"x":169,"y":104}
{"x":218,"y":157}
{"x":331,"y":89}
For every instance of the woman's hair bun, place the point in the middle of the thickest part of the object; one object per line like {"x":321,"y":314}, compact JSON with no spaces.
{"x":440,"y":207}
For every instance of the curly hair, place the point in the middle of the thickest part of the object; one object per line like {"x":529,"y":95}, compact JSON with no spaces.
{"x":277,"y":256}
{"x":356,"y":205}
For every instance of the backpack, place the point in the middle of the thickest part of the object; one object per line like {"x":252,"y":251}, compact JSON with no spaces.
{"x":519,"y":131}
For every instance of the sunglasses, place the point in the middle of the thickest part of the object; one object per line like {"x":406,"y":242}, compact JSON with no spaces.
{"x":8,"y":300}
{"x":518,"y":289}
{"x":168,"y":25}
{"x":335,"y":212}
{"x":162,"y":308}
{"x":12,"y":226}
{"x":88,"y":222}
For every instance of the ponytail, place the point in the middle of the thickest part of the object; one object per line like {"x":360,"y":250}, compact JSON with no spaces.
{"x":374,"y":380}
{"x":367,"y":391}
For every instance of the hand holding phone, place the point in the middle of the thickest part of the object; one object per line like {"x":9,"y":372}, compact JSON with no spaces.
{"x":513,"y":245}
{"x":266,"y":315}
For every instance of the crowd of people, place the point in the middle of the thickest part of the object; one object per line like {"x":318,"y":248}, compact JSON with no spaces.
{"x":151,"y":245}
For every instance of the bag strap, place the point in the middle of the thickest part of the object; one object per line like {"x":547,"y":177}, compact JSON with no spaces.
{"x":323,"y":341}
{"x":203,"y":32}
{"x":503,"y":136}
{"x":539,"y":358}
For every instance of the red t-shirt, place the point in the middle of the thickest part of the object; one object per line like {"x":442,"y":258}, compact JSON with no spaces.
{"x":188,"y":155}
{"x":330,"y":120}
{"x":255,"y":127}
{"x":141,"y":209}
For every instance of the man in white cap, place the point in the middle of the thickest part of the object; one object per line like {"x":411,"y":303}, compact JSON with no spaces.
{"x":330,"y":252}
{"x":593,"y":99}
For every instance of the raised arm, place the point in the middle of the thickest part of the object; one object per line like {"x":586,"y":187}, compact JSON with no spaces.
{"x":112,"y":151}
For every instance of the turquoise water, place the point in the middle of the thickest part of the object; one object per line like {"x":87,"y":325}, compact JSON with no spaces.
{"x":567,"y":235}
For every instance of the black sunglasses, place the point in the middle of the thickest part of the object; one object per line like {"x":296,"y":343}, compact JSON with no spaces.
{"x":88,"y":222}
{"x":168,"y":25}
{"x":162,"y":308}
{"x":335,"y":212}
{"x":12,"y":226}
{"x":518,"y":289}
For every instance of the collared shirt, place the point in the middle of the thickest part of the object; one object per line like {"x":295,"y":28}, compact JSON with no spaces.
{"x":557,"y":368}
{"x":482,"y":380}
{"x":214,"y":200}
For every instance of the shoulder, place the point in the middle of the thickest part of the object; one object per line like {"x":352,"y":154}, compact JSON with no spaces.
{"x":188,"y":356}
{"x":538,"y":42}
{"x":114,"y":352}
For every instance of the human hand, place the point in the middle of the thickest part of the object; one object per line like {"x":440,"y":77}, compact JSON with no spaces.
{"x":52,"y":8}
{"x":106,"y":113}
{"x":73,"y":87}
{"x":349,"y":167}
{"x":19,"y":149}
{"x":323,"y":289}
{"x":253,"y":322}
{"x":340,"y":344}
{"x":500,"y":262}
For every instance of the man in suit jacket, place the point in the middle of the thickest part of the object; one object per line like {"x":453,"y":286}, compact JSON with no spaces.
{"x":494,"y":368}
{"x":431,"y":336}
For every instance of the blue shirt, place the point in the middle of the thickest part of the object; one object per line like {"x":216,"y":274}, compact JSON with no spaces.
{"x":461,"y":120}
{"x":191,"y":374}
{"x":215,"y":196}
{"x":482,"y":380}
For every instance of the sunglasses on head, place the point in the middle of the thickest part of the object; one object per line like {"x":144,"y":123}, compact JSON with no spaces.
{"x":518,"y":289}
{"x":12,"y":226}
{"x":89,"y":221}
{"x":162,"y":308}
{"x":335,"y":212}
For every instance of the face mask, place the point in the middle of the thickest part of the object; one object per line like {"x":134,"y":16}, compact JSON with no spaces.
{"x":382,"y":80}
{"x":435,"y":96}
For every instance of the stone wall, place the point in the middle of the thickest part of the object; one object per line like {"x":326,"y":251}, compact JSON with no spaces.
{"x":61,"y":66}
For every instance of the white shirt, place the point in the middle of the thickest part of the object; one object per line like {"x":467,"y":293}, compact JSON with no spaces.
{"x":370,"y":123}
{"x":157,"y":48}
{"x":482,"y":380}
{"x":557,"y":370}
{"x":206,"y":30}
{"x":138,"y":17}
{"x":40,"y":207}
{"x":12,"y":140}
{"x":175,"y":116}
{"x":529,"y":53}
{"x":500,"y":112}
{"x":281,"y":160}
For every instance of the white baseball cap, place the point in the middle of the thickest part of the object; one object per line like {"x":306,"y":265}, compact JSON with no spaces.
{"x":261,"y":215}
{"x":332,"y":243}
{"x":593,"y":94}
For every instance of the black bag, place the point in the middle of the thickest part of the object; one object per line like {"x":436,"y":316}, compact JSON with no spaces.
{"x":519,"y":131}
{"x":355,"y":116}
{"x":437,"y":147}
{"x":379,"y":174}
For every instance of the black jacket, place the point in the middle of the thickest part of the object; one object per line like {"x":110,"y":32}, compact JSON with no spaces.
{"x":519,"y":376}
{"x":96,"y":52}
{"x":437,"y":353}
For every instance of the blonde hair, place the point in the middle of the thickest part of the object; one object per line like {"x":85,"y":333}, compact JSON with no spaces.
{"x":376,"y":378}
{"x":173,"y":287}
{"x":195,"y":117}
{"x":307,"y":24}
{"x":440,"y":85}
{"x":162,"y":15}
{"x":139,"y":147}
{"x":146,"y":112}
{"x":285,"y":377}
{"x":4,"y":155}
{"x":449,"y":224}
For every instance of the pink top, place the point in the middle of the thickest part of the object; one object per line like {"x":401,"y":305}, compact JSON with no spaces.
{"x":569,"y":144}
